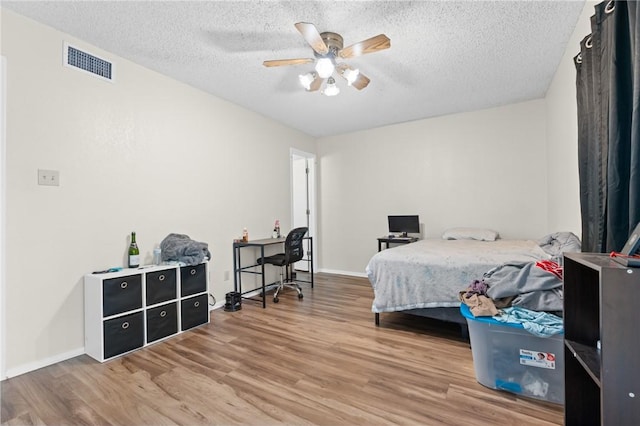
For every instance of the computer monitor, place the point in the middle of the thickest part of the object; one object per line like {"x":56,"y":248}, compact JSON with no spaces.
{"x":404,"y":224}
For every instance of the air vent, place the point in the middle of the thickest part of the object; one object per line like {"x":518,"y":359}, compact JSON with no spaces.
{"x":84,"y":61}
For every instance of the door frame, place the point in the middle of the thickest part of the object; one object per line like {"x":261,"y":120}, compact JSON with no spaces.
{"x":311,"y":195}
{"x":3,"y":151}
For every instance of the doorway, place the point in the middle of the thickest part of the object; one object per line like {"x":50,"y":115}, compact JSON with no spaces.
{"x":303,"y":196}
{"x":3,"y":133}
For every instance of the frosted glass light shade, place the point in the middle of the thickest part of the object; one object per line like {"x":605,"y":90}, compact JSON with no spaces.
{"x":331,"y":89}
{"x":306,"y":80}
{"x":324,"y":67}
{"x":351,"y":75}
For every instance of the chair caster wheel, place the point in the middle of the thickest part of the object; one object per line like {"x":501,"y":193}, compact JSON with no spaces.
{"x":300,"y":296}
{"x":276,"y":300}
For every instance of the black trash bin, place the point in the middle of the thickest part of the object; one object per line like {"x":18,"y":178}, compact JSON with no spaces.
{"x":233,"y":301}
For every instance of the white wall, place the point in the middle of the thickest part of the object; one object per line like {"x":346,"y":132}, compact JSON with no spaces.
{"x":513,"y":168}
{"x":562,"y":135}
{"x":482,"y":169}
{"x":156,"y":156}
{"x":145,"y":153}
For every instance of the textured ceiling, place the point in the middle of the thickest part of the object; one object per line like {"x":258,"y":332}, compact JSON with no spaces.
{"x":445,"y":56}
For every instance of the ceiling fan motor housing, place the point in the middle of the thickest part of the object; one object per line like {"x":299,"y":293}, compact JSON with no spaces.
{"x":334,"y":43}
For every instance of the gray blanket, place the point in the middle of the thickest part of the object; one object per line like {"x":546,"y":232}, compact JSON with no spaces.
{"x":533,"y":287}
{"x":560,"y":242}
{"x":181,"y":248}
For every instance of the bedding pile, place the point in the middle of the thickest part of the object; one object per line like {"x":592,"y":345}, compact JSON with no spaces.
{"x":527,"y":293}
{"x":526,"y":284}
{"x":535,"y":286}
{"x":560,"y":242}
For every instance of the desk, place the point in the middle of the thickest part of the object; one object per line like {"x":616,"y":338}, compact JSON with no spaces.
{"x":238,"y":269}
{"x":395,"y":240}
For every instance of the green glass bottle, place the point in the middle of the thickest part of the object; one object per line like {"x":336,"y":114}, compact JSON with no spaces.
{"x":134,"y":252}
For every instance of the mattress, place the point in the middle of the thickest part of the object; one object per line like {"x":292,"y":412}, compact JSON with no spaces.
{"x":430,"y":273}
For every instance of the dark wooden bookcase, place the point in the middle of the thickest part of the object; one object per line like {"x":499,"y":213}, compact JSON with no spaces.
{"x":601,"y":304}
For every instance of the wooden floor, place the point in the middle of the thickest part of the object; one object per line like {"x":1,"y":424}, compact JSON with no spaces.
{"x":320,"y":360}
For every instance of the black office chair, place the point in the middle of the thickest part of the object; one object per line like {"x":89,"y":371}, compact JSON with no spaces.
{"x":293,"y":252}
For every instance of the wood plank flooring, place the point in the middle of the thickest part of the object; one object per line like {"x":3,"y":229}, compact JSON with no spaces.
{"x":320,"y":360}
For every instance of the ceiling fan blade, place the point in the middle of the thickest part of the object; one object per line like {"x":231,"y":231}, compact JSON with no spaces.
{"x":315,"y":84}
{"x":360,"y":82}
{"x":282,"y":62}
{"x":371,"y":45}
{"x":312,"y":36}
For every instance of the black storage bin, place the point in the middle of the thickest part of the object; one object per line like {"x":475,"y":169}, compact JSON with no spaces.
{"x":162,"y":321}
{"x":195,"y":311}
{"x":123,"y":334}
{"x":193,"y":279}
{"x":121,"y":294}
{"x":161,"y":286}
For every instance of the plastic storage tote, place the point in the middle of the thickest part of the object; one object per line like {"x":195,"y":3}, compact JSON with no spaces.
{"x":507,"y":357}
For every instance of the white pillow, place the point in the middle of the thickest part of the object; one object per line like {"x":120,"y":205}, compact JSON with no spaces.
{"x":480,"y":234}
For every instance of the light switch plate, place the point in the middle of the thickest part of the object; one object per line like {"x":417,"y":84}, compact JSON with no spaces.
{"x":48,"y":177}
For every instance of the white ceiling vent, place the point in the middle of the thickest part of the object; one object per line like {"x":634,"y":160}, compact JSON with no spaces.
{"x":83,"y":61}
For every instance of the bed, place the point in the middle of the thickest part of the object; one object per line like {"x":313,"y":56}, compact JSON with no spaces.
{"x":424,"y":278}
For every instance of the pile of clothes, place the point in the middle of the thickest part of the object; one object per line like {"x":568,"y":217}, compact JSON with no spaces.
{"x":529,"y":293}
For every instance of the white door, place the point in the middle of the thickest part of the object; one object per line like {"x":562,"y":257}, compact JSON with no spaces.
{"x":303,"y":199}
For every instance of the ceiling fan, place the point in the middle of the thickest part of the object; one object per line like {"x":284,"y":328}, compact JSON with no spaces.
{"x":328,"y":48}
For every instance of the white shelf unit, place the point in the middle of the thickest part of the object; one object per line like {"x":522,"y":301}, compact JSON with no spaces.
{"x":130,"y":309}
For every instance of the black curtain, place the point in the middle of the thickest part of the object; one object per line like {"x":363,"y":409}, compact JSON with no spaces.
{"x":608,"y":98}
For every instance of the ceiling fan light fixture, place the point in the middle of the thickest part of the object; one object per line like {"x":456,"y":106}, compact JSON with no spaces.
{"x":325,"y":67}
{"x":307,"y":79}
{"x":327,"y":47}
{"x":351,"y":75}
{"x":331,"y":89}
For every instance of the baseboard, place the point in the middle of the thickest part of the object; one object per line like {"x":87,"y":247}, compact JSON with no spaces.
{"x":350,"y":273}
{"x":26,"y":368}
{"x":32,"y":366}
{"x":258,"y":291}
{"x":217,"y":305}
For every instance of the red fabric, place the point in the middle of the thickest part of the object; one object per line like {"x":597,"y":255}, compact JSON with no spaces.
{"x":616,"y":254}
{"x":550,"y":266}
